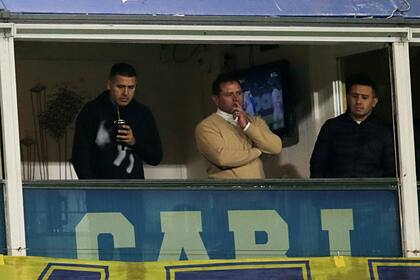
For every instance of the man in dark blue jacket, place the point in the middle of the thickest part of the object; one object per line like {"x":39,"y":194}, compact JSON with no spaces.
{"x":114,"y":133}
{"x":355,"y":144}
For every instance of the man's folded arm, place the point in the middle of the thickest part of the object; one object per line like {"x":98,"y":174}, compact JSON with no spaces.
{"x":263,"y":138}
{"x":210,"y":144}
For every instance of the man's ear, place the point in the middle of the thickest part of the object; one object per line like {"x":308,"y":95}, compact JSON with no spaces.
{"x":215,"y":100}
{"x":108,"y":85}
{"x":375,"y":101}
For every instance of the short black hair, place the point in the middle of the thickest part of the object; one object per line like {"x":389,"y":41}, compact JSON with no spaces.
{"x":122,"y":69}
{"x":221,"y":79}
{"x":360,"y":79}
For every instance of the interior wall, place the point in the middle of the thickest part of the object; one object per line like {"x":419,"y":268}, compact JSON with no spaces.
{"x":175,"y":82}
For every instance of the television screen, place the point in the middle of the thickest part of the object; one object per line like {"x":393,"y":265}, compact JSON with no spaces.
{"x":266,"y":94}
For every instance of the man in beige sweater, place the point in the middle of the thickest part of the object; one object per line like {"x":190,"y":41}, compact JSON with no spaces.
{"x":231,"y":140}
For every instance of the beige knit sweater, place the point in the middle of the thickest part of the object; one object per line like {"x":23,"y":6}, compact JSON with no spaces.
{"x":233,"y":153}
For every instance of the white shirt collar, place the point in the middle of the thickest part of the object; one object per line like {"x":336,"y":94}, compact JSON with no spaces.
{"x":227,"y":117}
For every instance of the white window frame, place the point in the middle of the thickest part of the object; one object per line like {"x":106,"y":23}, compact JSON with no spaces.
{"x":399,"y":37}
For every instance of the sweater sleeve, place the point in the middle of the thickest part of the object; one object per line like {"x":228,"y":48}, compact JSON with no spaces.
{"x":211,"y":144}
{"x":319,"y":158}
{"x":148,"y":145}
{"x":263,"y":138}
{"x":84,"y":138}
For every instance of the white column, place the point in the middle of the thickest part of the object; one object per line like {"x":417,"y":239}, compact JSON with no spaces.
{"x":13,"y":198}
{"x":407,"y":168}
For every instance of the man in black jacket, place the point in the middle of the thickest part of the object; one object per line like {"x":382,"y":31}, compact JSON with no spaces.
{"x":354,"y":144}
{"x":114,"y":133}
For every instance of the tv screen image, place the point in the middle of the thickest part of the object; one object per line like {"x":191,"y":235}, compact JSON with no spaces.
{"x":263,"y":96}
{"x":266,"y":94}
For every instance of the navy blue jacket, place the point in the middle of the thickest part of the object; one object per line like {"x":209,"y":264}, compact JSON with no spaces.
{"x":346,"y":149}
{"x":97,"y":155}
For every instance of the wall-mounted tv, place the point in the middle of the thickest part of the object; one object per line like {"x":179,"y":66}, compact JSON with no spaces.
{"x":267,"y":94}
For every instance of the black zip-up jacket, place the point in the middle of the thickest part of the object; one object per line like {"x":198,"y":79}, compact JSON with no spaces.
{"x":97,"y":155}
{"x":346,"y":149}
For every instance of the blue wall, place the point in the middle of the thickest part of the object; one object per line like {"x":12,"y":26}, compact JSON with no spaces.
{"x":52,"y":215}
